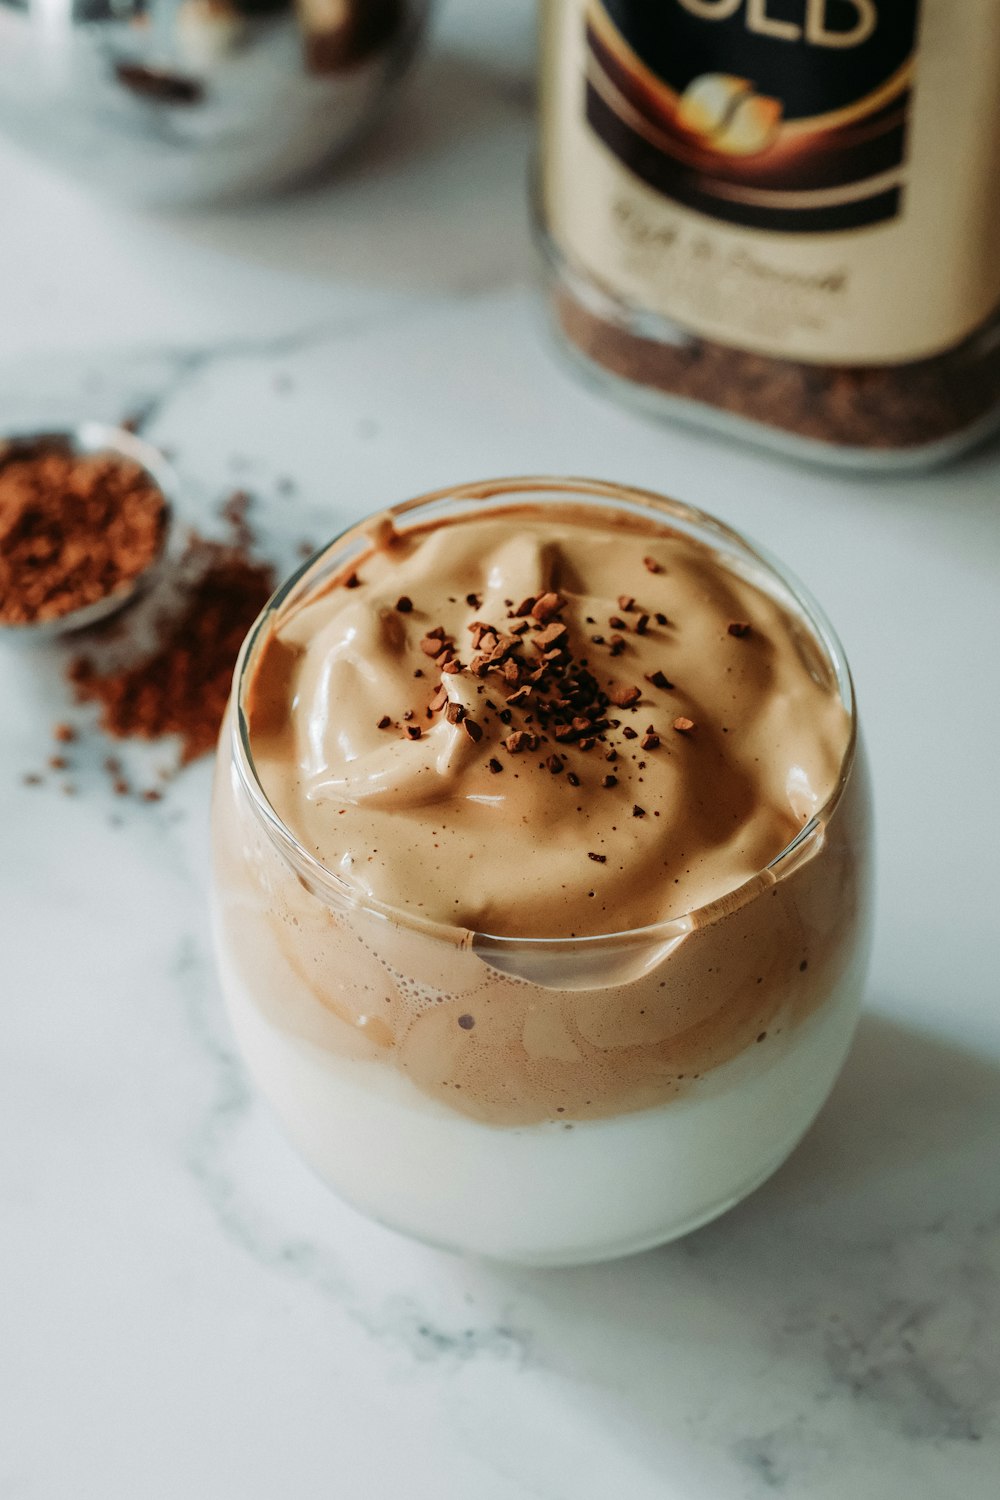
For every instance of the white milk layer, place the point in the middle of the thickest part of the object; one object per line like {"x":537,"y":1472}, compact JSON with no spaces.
{"x":550,"y":1194}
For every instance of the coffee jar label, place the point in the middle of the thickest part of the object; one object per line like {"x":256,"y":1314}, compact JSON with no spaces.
{"x":811,"y":179}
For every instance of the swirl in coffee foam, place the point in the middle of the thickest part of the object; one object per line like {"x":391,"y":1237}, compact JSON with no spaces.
{"x":632,"y":730}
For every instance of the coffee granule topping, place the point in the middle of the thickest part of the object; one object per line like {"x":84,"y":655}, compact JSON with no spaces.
{"x":599,"y":859}
{"x":557,"y":699}
{"x":660,"y":680}
{"x":384,"y":722}
{"x":652,"y":565}
{"x":739,"y":628}
{"x":638,"y":812}
{"x":352,"y":581}
{"x":64,"y":733}
{"x":545,"y":607}
{"x":683,"y":725}
{"x":414,"y":731}
{"x":404,"y":604}
{"x":626,"y":603}
{"x":550,"y":636}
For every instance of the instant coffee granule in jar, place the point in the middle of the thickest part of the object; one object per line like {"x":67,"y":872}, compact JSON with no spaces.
{"x":781,"y":217}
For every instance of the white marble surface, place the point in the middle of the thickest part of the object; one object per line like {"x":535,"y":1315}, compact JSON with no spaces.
{"x":184,"y":1310}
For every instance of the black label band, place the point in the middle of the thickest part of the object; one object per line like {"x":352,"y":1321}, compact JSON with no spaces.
{"x":773,"y":114}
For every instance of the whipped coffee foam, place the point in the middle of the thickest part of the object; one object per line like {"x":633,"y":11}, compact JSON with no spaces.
{"x":544,"y":723}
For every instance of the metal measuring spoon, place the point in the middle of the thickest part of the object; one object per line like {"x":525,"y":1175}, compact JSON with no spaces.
{"x":94,"y":437}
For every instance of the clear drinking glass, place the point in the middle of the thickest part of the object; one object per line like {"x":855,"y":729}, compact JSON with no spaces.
{"x":346,"y":1010}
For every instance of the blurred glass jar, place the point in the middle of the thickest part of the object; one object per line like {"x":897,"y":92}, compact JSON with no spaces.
{"x":183,"y":101}
{"x":780,"y":222}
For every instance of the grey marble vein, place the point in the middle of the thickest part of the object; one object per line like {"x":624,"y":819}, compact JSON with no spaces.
{"x":137,"y":385}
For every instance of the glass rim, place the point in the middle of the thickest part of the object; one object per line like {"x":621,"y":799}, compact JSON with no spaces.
{"x":652,"y":502}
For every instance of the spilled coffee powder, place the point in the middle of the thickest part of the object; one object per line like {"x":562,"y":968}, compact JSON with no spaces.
{"x":74,"y":529}
{"x":182,"y":686}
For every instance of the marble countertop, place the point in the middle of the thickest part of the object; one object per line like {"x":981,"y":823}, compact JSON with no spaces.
{"x":185,"y":1311}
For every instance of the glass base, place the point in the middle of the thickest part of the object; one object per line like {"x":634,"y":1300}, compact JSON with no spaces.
{"x":911,"y":417}
{"x":663,"y":406}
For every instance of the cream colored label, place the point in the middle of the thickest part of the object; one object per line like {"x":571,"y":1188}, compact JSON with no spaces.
{"x":621,"y":146}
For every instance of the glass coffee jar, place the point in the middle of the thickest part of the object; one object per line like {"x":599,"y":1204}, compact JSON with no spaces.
{"x":780,"y":217}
